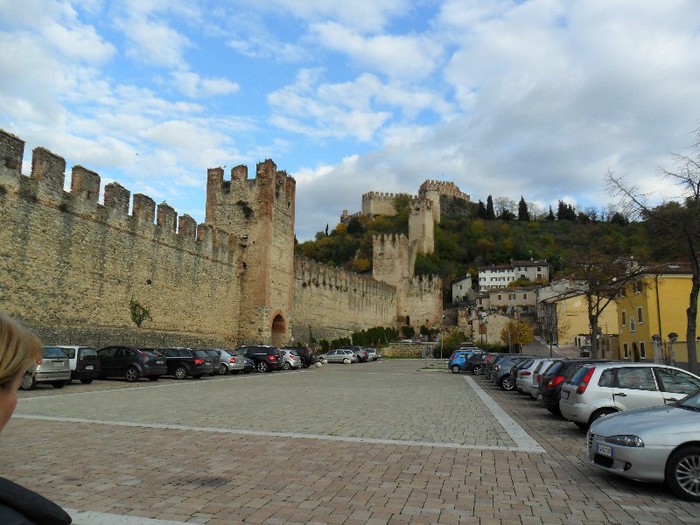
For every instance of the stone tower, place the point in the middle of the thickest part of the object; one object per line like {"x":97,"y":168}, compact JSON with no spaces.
{"x":421,"y":228}
{"x":260,"y":213}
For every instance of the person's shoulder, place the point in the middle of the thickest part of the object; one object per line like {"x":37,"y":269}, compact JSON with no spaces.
{"x":21,"y":506}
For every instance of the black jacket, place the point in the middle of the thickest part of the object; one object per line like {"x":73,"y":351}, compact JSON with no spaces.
{"x":20,"y":506}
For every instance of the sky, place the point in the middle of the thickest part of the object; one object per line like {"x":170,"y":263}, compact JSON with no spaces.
{"x":509,"y":98}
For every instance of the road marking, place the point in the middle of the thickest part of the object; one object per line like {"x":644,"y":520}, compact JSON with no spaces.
{"x":101,"y":518}
{"x":517,"y":433}
{"x":522,"y":443}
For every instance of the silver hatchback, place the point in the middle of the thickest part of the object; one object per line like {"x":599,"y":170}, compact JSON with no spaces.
{"x":599,"y":389}
{"x":340,"y":355}
{"x":54,"y":368}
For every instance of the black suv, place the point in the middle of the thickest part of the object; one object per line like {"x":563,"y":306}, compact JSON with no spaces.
{"x":308,"y":356}
{"x":131,"y":363}
{"x":183,"y":362}
{"x":266,"y":358}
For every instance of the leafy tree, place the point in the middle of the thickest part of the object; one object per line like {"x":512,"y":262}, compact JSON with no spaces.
{"x":517,"y":333}
{"x":566,"y":212}
{"x":481,"y":211}
{"x":523,"y":213}
{"x":408,"y":331}
{"x":490,"y":213}
{"x":550,"y":215}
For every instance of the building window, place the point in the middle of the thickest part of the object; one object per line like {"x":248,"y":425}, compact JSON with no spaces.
{"x":625,"y":351}
{"x":642,"y":350}
{"x":525,"y":296}
{"x":511,"y":297}
{"x":500,"y":297}
{"x":637,"y":286}
{"x":624,"y":318}
{"x":632,"y":325}
{"x":640,"y":317}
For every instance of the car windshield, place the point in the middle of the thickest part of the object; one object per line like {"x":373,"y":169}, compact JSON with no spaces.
{"x":692,"y":402}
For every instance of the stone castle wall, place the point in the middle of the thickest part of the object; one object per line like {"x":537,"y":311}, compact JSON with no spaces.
{"x":332,"y":302}
{"x":70,"y":266}
{"x":379,"y":203}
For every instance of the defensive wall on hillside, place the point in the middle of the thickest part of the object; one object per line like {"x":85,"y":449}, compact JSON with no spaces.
{"x":70,"y":266}
{"x":379,"y":203}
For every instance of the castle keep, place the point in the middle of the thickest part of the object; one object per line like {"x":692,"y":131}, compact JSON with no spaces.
{"x":70,"y":266}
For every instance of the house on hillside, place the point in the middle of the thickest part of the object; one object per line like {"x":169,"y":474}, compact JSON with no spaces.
{"x":652,"y":314}
{"x":501,"y":275}
{"x":462,"y":289}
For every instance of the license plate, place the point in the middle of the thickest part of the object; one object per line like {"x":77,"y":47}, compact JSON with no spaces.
{"x":604,"y":450}
{"x":89,"y":367}
{"x":160,"y":362}
{"x":58,"y":364}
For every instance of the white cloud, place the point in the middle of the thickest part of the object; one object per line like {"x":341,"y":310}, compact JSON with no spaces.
{"x":408,"y":57}
{"x":328,"y":110}
{"x":192,"y":85}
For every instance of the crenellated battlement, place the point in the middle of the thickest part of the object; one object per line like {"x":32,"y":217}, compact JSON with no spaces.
{"x":380,"y":203}
{"x":442,"y":188}
{"x":313,"y":273}
{"x":45,"y":184}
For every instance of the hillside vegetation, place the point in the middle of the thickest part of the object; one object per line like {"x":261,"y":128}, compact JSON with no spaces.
{"x":467,"y":237}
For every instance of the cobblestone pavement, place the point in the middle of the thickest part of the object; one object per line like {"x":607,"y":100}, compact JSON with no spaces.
{"x":374,"y":443}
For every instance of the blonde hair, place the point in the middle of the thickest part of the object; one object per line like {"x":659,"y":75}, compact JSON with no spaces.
{"x":19,"y":348}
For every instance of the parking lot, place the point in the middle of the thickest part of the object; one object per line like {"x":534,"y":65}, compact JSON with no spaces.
{"x":378,"y":443}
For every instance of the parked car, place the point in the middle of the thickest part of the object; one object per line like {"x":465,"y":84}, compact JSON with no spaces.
{"x":266,"y":358}
{"x":489,"y":362}
{"x":373,"y":354}
{"x":657,"y":444}
{"x":361,"y":353}
{"x":84,"y":365}
{"x":306,"y":353}
{"x":457,"y":362}
{"x":340,"y":355}
{"x":53,"y":368}
{"x":552,"y":380}
{"x":501,"y":373}
{"x":215,"y":360}
{"x":185,"y":362}
{"x":537,"y":374}
{"x":290,"y":359}
{"x":599,"y":389}
{"x":475,"y":363}
{"x":230,"y":362}
{"x":131,"y":363}
{"x":526,"y":374}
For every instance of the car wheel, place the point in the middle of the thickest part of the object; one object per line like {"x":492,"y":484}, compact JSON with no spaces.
{"x":181,"y":372}
{"x":507,"y":383}
{"x":287,"y":366}
{"x":86,"y":381}
{"x":477,"y":370}
{"x":223,"y":370}
{"x":28,"y":382}
{"x":263,"y":367}
{"x":683,"y":473}
{"x":455,"y":369}
{"x":58,"y":384}
{"x":153,"y":378}
{"x":132,"y":374}
{"x":598,"y":414}
{"x":346,"y":361}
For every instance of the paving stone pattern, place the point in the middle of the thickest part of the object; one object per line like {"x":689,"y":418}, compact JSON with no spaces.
{"x":372,"y":443}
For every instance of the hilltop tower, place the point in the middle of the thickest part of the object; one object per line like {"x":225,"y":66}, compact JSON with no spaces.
{"x":260,"y":213}
{"x":421,"y":228}
{"x":434,"y":189}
